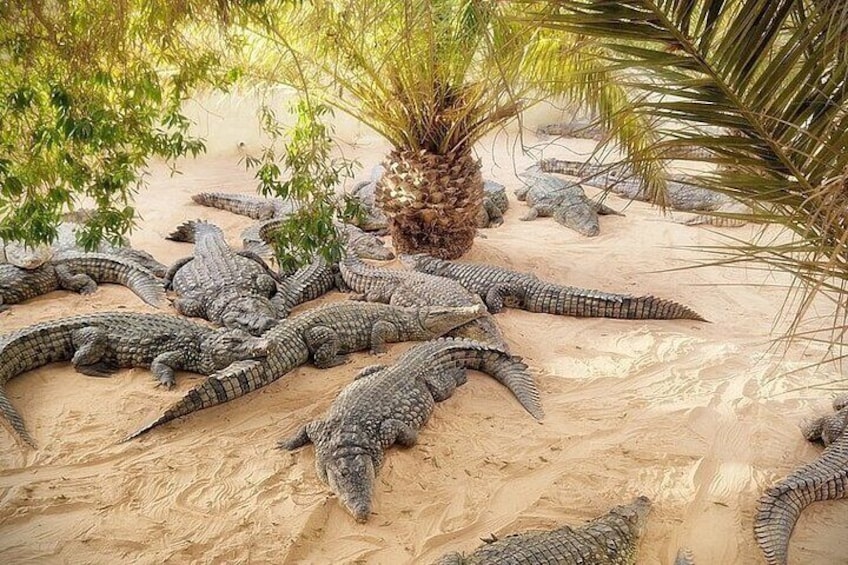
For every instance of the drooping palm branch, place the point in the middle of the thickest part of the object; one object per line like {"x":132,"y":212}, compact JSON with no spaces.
{"x":768,"y":80}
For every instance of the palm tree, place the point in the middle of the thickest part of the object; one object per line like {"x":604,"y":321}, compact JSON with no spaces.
{"x":433,"y":77}
{"x":769,"y":80}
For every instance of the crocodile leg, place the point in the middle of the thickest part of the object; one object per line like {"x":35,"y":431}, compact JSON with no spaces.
{"x":90,"y":356}
{"x":495,"y":296}
{"x":172,"y":270}
{"x":189,"y":307}
{"x":80,"y":283}
{"x":397,"y":432}
{"x":532,"y":214}
{"x":323,"y":342}
{"x":163,"y":367}
{"x":381,"y":333}
{"x":302,"y":437}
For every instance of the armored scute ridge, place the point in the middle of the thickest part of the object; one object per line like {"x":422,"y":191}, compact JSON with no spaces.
{"x":388,"y":405}
{"x":325,"y":335}
{"x":225,"y":287}
{"x":408,"y":288}
{"x":610,"y":539}
{"x":826,"y":478}
{"x":99,"y":344}
{"x":500,"y":287}
{"x":77,"y":272}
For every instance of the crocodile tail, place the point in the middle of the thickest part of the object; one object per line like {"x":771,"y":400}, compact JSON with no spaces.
{"x":514,"y":374}
{"x":14,"y":418}
{"x":778,"y":509}
{"x":570,"y":301}
{"x":228,"y":384}
{"x":192,"y":230}
{"x":106,"y":268}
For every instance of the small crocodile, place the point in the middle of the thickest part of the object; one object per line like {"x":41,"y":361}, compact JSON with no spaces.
{"x":77,"y":272}
{"x":388,"y":405}
{"x":495,"y":205}
{"x":99,"y":344}
{"x":610,"y":539}
{"x":409,"y":288}
{"x":499,"y":287}
{"x":619,"y":179}
{"x":325,"y":335}
{"x":272,"y":211}
{"x":228,"y":288}
{"x":567,"y":203}
{"x":826,"y":478}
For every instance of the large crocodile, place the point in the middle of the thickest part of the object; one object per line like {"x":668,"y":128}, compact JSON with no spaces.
{"x":272,"y":211}
{"x":388,"y":405}
{"x":620,"y":179}
{"x":325,"y":335}
{"x":77,"y":272}
{"x":98,"y":344}
{"x":229,"y":288}
{"x":610,"y":539}
{"x":26,"y":257}
{"x":500,"y":287}
{"x":409,"y":288}
{"x":826,"y":478}
{"x":547,"y":196}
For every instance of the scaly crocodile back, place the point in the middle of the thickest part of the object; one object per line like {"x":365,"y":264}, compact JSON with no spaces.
{"x":778,"y":509}
{"x":255,"y":207}
{"x":610,"y":539}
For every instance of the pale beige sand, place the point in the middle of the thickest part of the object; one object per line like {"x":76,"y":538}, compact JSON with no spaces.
{"x":694,"y":415}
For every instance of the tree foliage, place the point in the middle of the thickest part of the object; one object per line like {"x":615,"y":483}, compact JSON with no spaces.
{"x":766,"y":84}
{"x":90,"y":90}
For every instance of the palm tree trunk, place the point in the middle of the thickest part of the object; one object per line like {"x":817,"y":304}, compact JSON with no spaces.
{"x":431,"y":201}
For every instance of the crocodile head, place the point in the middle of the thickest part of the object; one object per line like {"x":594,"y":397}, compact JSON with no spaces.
{"x":351,"y":477}
{"x":369,"y":246}
{"x":439,"y":320}
{"x":635,"y":513}
{"x":253,"y":314}
{"x":225,"y":346}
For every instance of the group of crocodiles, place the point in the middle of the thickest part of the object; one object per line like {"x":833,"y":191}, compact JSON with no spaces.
{"x":450,"y":306}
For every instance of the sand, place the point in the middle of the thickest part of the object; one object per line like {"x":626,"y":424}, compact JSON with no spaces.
{"x":699,"y":417}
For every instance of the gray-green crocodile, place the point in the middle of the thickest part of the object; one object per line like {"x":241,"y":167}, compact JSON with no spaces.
{"x":324,"y":335}
{"x":388,"y":405}
{"x":98,"y":344}
{"x":499,"y":287}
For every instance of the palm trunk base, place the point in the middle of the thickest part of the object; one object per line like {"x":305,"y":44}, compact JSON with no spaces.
{"x":432,"y":201}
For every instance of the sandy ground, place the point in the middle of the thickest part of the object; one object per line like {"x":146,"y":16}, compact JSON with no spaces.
{"x":696,"y":416}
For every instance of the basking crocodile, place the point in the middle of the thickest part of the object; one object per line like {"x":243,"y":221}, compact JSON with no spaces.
{"x":826,"y":478}
{"x":325,"y":335}
{"x":388,"y":405}
{"x":682,"y":195}
{"x":499,"y":287}
{"x":495,"y":205}
{"x":98,"y":344}
{"x":610,"y":539}
{"x":409,"y":288}
{"x":77,"y":272}
{"x":26,"y":257}
{"x":224,"y":286}
{"x":567,"y":203}
{"x":272,"y":211}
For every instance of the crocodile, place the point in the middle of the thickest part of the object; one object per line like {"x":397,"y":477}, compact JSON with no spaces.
{"x":228,"y":288}
{"x":549,"y":196}
{"x":610,"y":539}
{"x":409,"y":288}
{"x":826,"y":478}
{"x":619,"y":179}
{"x":684,"y":557}
{"x":495,"y":205}
{"x":26,"y":257}
{"x":77,"y":272}
{"x":272,"y":211}
{"x":98,"y":344}
{"x":499,"y":287}
{"x":389,"y":404}
{"x":325,"y":335}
